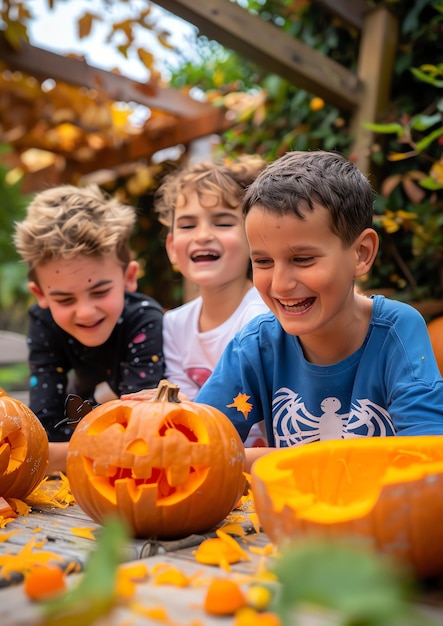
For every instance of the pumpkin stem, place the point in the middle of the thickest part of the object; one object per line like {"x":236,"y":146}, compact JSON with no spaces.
{"x":167,"y":392}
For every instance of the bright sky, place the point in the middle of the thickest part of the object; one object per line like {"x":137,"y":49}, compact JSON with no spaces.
{"x":56,"y":30}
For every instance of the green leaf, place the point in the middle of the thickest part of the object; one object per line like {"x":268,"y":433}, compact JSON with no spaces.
{"x":360,"y":586}
{"x":426,"y":141}
{"x":385,"y":128}
{"x":427,"y":78}
{"x":423,"y":122}
{"x":430,"y":183}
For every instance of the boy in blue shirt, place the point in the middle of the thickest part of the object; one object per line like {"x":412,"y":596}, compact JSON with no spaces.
{"x":326,"y":362}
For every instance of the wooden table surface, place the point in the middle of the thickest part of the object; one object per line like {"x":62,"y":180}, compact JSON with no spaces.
{"x":54,"y":525}
{"x":184,"y":606}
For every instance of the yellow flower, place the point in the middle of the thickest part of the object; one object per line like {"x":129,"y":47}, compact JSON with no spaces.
{"x":316,"y":104}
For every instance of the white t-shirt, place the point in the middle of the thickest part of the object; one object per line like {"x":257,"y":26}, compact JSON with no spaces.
{"x":191,"y":355}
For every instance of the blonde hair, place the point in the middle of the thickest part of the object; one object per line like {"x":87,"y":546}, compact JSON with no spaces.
{"x":67,"y":221}
{"x":222,"y":182}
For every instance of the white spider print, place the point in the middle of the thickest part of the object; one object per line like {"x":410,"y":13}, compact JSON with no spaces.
{"x":369,"y":420}
{"x":295,"y":425}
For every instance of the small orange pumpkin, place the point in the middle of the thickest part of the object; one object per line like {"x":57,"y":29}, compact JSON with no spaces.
{"x":24,"y":448}
{"x":435,"y":330}
{"x":169,"y":468}
{"x":385,"y":491}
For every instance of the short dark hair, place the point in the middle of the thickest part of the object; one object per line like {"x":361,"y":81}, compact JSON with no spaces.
{"x":298,"y":181}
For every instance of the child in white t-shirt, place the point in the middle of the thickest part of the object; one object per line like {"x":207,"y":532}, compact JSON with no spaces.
{"x":202,"y":207}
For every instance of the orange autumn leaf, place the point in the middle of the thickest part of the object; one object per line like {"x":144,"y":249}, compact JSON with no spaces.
{"x":223,"y":597}
{"x":157,"y":613}
{"x":232,"y":543}
{"x":266,"y":550}
{"x":234,"y":528}
{"x":86,"y":533}
{"x":241,"y":404}
{"x":222,"y":550}
{"x":128,"y":575}
{"x":25,"y":559}
{"x":255,"y":522}
{"x":5,"y":536}
{"x":166,"y":574}
{"x":215,"y":551}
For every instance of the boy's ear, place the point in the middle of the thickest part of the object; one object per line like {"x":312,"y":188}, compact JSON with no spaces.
{"x":38,"y":293}
{"x":131,"y":275}
{"x":366,"y":249}
{"x":170,"y":248}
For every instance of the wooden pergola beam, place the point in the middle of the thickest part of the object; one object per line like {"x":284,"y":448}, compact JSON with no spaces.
{"x":376,"y":60}
{"x":352,"y":12}
{"x":43,"y":65}
{"x":271,"y":48}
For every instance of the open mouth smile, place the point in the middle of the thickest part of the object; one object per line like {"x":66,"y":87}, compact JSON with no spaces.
{"x":298,"y":306}
{"x":204,"y":256}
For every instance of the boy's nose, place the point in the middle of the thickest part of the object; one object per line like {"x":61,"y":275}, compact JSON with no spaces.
{"x":85,"y":310}
{"x":283,"y":280}
{"x":204,"y":232}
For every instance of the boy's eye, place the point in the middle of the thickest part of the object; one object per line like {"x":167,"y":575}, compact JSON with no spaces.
{"x":225,"y":224}
{"x":64,"y":301}
{"x":261,"y":261}
{"x":304,"y":260}
{"x":100,"y":294}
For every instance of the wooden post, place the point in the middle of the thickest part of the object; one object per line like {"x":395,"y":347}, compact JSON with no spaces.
{"x":377,"y":53}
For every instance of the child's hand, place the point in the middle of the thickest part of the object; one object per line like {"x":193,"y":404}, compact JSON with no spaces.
{"x":58,"y":451}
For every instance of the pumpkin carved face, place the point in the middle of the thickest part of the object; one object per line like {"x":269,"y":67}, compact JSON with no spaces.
{"x":386,"y":492}
{"x":24,"y":448}
{"x":169,"y":468}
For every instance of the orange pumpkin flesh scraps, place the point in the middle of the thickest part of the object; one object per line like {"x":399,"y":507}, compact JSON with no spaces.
{"x":169,"y":468}
{"x":385,"y":491}
{"x":223,"y":597}
{"x":44,"y":582}
{"x":24,"y":448}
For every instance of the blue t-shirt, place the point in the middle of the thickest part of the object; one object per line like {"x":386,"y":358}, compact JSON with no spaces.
{"x":390,"y":386}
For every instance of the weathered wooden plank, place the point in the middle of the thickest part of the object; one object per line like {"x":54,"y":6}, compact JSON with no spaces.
{"x":182,"y":605}
{"x":378,"y":48}
{"x":54,"y":526}
{"x":270,"y":47}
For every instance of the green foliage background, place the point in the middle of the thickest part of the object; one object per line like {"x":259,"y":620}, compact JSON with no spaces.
{"x":411,"y":256}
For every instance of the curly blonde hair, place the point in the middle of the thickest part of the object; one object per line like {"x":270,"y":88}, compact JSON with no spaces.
{"x":67,"y":221}
{"x":221,"y":182}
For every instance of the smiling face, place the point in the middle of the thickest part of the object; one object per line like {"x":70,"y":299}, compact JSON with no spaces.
{"x":85,"y":294}
{"x":208,"y":243}
{"x":304,"y":272}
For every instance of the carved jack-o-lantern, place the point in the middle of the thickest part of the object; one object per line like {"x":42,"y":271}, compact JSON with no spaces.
{"x":23,"y":448}
{"x":169,"y":468}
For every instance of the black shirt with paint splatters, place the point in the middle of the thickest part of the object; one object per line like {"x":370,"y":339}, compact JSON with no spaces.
{"x":130,"y":360}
